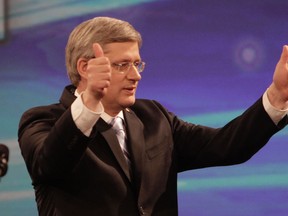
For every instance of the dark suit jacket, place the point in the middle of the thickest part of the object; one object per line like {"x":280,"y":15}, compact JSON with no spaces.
{"x":76,"y":175}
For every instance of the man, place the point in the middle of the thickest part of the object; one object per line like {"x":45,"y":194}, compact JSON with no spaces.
{"x":77,"y":164}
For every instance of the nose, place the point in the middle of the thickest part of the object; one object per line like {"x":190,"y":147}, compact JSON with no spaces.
{"x":133,"y":74}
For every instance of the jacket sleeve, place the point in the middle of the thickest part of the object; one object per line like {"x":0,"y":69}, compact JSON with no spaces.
{"x":50,"y":142}
{"x":198,"y":146}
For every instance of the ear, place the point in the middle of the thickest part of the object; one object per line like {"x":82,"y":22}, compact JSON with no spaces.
{"x":82,"y":64}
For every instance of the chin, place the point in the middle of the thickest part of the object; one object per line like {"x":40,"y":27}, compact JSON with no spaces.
{"x":129,"y":102}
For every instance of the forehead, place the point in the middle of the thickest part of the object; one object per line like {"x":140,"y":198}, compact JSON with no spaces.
{"x":122,"y":50}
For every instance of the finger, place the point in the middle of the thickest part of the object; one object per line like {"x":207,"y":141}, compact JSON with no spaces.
{"x":98,"y":51}
{"x":284,"y":55}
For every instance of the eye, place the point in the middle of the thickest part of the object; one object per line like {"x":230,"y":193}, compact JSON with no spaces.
{"x":136,"y":64}
{"x":124,"y":65}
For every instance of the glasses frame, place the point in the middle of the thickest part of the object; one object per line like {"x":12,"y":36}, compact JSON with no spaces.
{"x":125,"y":67}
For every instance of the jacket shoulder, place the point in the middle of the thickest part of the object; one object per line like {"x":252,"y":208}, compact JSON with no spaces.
{"x":145,"y":105}
{"x":47,"y":113}
{"x":151,"y":109}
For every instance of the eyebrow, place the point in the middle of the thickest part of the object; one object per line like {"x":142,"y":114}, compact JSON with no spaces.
{"x":125,"y":60}
{"x":122,"y":59}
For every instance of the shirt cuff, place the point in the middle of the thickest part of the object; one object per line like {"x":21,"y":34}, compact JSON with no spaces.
{"x":84,"y":118}
{"x":275,"y":114}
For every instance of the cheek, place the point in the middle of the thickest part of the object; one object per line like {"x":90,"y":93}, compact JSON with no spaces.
{"x":116,"y":80}
{"x":115,"y":86}
{"x":113,"y":91}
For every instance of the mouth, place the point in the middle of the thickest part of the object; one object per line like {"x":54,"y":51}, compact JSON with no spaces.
{"x":130,"y":89}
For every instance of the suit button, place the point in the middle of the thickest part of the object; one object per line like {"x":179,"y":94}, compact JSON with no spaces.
{"x":141,"y":210}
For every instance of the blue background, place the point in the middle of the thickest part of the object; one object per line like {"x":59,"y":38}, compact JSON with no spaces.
{"x":207,"y":61}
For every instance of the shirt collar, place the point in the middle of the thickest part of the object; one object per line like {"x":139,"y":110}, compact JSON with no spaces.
{"x":76,"y":93}
{"x":107,"y":118}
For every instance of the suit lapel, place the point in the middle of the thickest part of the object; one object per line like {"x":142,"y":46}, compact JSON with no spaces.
{"x":110,"y":136}
{"x":136,"y":143}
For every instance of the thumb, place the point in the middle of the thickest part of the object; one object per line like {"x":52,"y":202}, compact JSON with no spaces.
{"x":284,"y":55}
{"x":98,"y":51}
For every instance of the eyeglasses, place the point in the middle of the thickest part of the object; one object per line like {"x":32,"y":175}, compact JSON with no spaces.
{"x":124,"y":67}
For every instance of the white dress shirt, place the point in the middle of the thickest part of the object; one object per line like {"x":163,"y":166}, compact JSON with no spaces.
{"x":85,"y":118}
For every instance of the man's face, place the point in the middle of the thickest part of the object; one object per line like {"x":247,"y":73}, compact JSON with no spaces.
{"x":121,"y":92}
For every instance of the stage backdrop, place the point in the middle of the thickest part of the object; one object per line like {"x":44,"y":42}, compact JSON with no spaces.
{"x":207,"y":61}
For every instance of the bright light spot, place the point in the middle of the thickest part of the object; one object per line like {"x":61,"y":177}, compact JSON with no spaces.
{"x":249,"y":54}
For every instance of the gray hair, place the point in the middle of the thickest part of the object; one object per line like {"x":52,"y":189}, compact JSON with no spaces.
{"x":102,"y":30}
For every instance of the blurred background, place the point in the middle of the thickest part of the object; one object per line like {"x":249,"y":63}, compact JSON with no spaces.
{"x":207,"y":61}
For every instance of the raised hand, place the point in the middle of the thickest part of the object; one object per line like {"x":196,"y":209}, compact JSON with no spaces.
{"x":278,"y":90}
{"x":98,"y":75}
